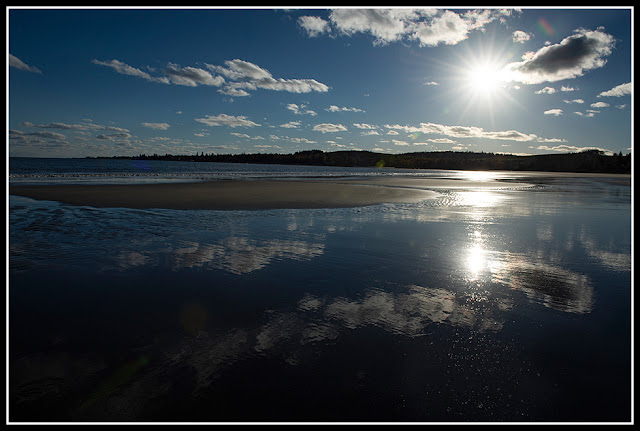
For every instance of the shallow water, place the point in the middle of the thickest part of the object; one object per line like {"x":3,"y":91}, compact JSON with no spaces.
{"x":480,"y":305}
{"x":29,"y":170}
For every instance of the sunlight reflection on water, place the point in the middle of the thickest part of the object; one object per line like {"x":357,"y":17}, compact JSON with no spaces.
{"x":479,"y":198}
{"x":485,"y":261}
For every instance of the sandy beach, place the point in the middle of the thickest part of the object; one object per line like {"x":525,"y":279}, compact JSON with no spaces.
{"x":232,"y":194}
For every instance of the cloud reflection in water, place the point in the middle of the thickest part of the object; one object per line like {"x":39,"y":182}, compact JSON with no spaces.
{"x":237,"y":255}
{"x":553,"y":286}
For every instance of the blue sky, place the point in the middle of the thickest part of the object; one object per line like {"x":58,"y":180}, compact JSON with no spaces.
{"x":104,"y":82}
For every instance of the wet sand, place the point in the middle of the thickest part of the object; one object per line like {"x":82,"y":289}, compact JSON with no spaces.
{"x":257,"y":194}
{"x":230,"y":194}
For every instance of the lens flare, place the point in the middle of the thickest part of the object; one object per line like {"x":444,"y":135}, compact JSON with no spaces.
{"x":546,"y":27}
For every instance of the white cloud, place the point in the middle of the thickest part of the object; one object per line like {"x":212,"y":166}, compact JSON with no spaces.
{"x":111,"y":136}
{"x":267,"y":146}
{"x":245,"y":136}
{"x":300,"y":109}
{"x":334,"y":108}
{"x":156,"y":126}
{"x":45,"y":134}
{"x":574,"y":101}
{"x":227,"y":120}
{"x":429,"y":26}
{"x":239,"y":69}
{"x":556,"y":112}
{"x":291,"y":125}
{"x":365,"y":126}
{"x":243,"y":74}
{"x":56,"y":125}
{"x":466,"y":132}
{"x":568,"y":59}
{"x":329,"y":128}
{"x":520,"y":36}
{"x":571,"y":149}
{"x":546,"y":90}
{"x":300,"y":140}
{"x":313,"y":25}
{"x":237,"y":89}
{"x":550,"y":140}
{"x":81,"y":126}
{"x":448,"y":28}
{"x":599,"y":105}
{"x":192,"y":76}
{"x":257,"y":77}
{"x":478,"y":18}
{"x":617,"y":91}
{"x":383,"y":24}
{"x":400,"y":143}
{"x":21,"y":65}
{"x":441,"y":141}
{"x":125,"y":69}
{"x":291,"y":85}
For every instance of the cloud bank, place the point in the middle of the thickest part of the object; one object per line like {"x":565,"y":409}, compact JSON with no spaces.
{"x":236,"y":78}
{"x":470,"y":132}
{"x":428,"y":26}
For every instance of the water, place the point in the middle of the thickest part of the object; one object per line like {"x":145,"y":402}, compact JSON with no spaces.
{"x":25,"y":170}
{"x":508,"y":304}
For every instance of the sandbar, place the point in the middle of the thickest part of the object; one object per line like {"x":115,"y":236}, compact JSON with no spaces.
{"x":257,"y":194}
{"x":228,"y":194}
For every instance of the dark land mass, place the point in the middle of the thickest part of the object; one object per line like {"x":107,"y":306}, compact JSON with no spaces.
{"x":586,"y":161}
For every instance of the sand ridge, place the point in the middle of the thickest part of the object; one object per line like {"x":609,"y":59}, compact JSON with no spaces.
{"x":227,"y":194}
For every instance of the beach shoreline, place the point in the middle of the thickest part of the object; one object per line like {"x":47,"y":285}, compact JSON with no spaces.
{"x":259,"y":194}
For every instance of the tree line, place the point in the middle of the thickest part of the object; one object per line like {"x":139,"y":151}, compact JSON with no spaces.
{"x":586,"y":161}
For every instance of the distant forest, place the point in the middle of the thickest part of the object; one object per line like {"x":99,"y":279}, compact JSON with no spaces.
{"x":586,"y":161}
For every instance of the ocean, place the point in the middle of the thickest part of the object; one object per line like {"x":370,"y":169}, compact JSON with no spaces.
{"x":507,"y":304}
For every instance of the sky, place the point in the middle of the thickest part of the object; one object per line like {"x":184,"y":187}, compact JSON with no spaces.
{"x":108,"y":82}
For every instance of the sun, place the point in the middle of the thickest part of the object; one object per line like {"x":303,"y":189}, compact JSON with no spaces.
{"x":477,"y":81}
{"x":484,"y":85}
{"x":484,"y":78}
